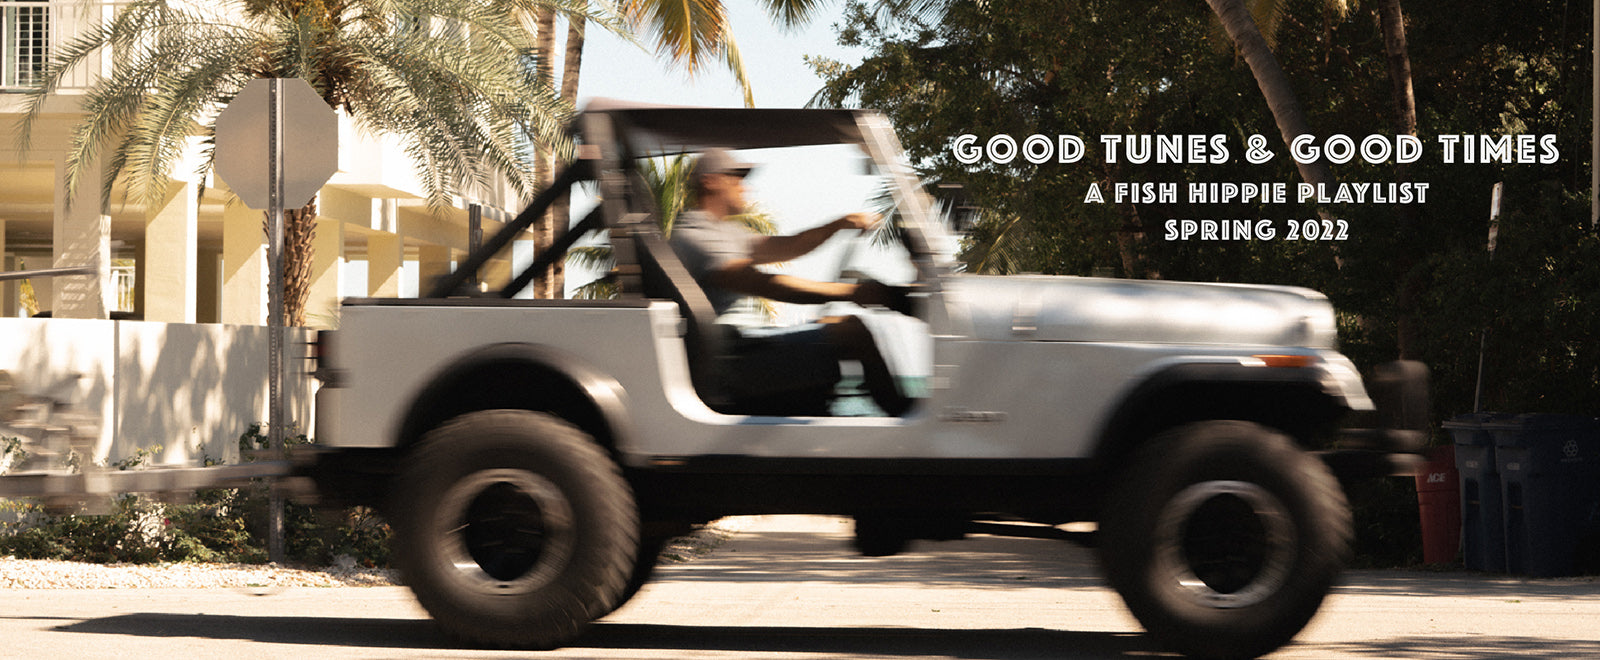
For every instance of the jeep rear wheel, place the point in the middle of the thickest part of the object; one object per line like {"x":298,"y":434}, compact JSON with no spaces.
{"x":513,"y":528}
{"x":1224,"y":537}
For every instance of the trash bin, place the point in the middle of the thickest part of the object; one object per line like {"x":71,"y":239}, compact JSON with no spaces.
{"x":1550,"y":477}
{"x":1483,"y":540}
{"x":1439,"y":506}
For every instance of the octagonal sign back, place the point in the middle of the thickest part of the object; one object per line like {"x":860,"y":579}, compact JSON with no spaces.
{"x":310,"y":143}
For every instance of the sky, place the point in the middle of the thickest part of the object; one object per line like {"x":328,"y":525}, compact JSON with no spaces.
{"x":774,"y":60}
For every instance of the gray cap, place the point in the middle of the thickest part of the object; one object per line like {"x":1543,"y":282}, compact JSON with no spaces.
{"x":719,"y":161}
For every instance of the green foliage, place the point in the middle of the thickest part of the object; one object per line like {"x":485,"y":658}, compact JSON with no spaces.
{"x":215,"y":525}
{"x":140,"y":458}
{"x":255,"y":438}
{"x":1388,"y":530}
{"x":119,"y":536}
{"x":319,"y":536}
{"x":220,"y":525}
{"x":11,"y":453}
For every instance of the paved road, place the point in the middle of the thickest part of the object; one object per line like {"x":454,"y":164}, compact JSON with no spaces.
{"x":788,"y":588}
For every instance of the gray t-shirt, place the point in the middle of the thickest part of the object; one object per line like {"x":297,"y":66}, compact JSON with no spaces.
{"x":705,"y":245}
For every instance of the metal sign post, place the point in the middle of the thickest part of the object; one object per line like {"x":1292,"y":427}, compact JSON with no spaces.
{"x":275,"y":321}
{"x":1483,"y":339}
{"x":251,"y":132}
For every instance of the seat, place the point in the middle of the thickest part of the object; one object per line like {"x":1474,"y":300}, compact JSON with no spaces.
{"x":732,"y":374}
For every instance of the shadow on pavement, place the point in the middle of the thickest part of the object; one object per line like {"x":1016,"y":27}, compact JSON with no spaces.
{"x":1034,"y":643}
{"x":318,"y":631}
{"x":1019,"y":644}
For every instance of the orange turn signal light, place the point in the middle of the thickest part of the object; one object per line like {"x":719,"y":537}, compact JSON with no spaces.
{"x":1286,"y":360}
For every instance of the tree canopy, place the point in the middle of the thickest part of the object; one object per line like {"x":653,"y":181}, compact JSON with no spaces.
{"x":1092,"y":68}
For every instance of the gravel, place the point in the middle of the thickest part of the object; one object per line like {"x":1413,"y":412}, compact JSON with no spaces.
{"x":51,"y":574}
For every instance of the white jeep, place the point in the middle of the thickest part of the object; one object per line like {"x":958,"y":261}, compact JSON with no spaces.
{"x":534,"y":455}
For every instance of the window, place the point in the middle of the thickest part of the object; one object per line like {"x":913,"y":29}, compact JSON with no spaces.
{"x":24,"y":42}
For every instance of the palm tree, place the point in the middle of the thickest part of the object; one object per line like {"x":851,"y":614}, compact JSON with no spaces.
{"x":1269,"y":15}
{"x":448,"y":77}
{"x":1247,"y":37}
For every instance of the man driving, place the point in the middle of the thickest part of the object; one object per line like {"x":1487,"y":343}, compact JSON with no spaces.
{"x":722,"y":257}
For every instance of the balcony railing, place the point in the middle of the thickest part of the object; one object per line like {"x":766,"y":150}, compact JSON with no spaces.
{"x":28,"y":30}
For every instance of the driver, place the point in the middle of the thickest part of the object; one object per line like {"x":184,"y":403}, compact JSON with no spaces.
{"x":722,"y":257}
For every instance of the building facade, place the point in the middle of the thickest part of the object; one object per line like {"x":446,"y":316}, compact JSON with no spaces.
{"x":200,"y":256}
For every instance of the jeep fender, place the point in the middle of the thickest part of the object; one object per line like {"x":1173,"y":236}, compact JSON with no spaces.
{"x":527,"y":377}
{"x":1305,"y":402}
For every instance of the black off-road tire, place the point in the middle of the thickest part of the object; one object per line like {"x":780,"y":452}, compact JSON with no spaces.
{"x":513,"y":529}
{"x":1224,"y":537}
{"x":644,"y":566}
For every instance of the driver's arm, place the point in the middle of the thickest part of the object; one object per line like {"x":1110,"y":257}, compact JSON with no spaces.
{"x":772,"y":249}
{"x":742,"y":276}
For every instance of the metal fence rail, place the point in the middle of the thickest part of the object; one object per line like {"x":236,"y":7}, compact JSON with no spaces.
{"x":49,"y":272}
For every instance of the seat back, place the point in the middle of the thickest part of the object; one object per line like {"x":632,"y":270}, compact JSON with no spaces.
{"x":665,"y":277}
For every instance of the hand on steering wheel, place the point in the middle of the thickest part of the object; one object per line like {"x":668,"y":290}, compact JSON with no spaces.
{"x":871,"y":292}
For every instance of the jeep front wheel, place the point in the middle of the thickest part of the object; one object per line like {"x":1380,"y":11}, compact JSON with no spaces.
{"x":1223,"y":538}
{"x":513,"y":528}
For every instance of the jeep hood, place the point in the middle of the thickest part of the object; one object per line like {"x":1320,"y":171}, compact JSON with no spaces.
{"x":1082,"y":309}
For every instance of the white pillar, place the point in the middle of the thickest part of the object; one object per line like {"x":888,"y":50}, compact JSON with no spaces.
{"x":170,"y":258}
{"x":433,"y":262}
{"x":82,"y":237}
{"x":244,"y":266}
{"x":322,"y":302}
{"x":385,"y":254}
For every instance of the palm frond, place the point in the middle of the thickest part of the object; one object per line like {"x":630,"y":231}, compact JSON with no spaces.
{"x":464,"y":104}
{"x":756,"y":220}
{"x":156,"y":140}
{"x":996,"y":251}
{"x":602,"y":288}
{"x":668,"y":179}
{"x":689,"y":32}
{"x":883,"y":203}
{"x":1268,"y":15}
{"x":735,"y":62}
{"x":791,"y":14}
{"x":593,"y":257}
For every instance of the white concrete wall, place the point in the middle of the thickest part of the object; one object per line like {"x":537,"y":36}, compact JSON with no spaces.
{"x":193,"y":389}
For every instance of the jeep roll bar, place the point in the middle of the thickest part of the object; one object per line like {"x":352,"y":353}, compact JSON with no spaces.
{"x":612,"y":134}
